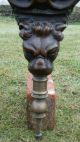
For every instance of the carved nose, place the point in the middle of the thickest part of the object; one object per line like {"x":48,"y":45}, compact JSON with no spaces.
{"x":41,"y":52}
{"x":40,"y":57}
{"x":40,"y":63}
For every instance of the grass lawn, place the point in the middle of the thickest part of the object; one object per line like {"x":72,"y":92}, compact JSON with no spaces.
{"x":13,"y":73}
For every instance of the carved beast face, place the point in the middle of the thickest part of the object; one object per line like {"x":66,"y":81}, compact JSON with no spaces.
{"x":41,"y":46}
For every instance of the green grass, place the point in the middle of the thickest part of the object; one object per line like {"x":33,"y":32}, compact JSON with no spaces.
{"x":13,"y":73}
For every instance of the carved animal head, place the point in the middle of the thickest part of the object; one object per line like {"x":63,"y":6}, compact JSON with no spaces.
{"x":41,"y":45}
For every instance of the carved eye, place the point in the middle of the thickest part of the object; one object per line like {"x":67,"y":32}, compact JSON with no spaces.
{"x":52,"y":53}
{"x":29,"y":54}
